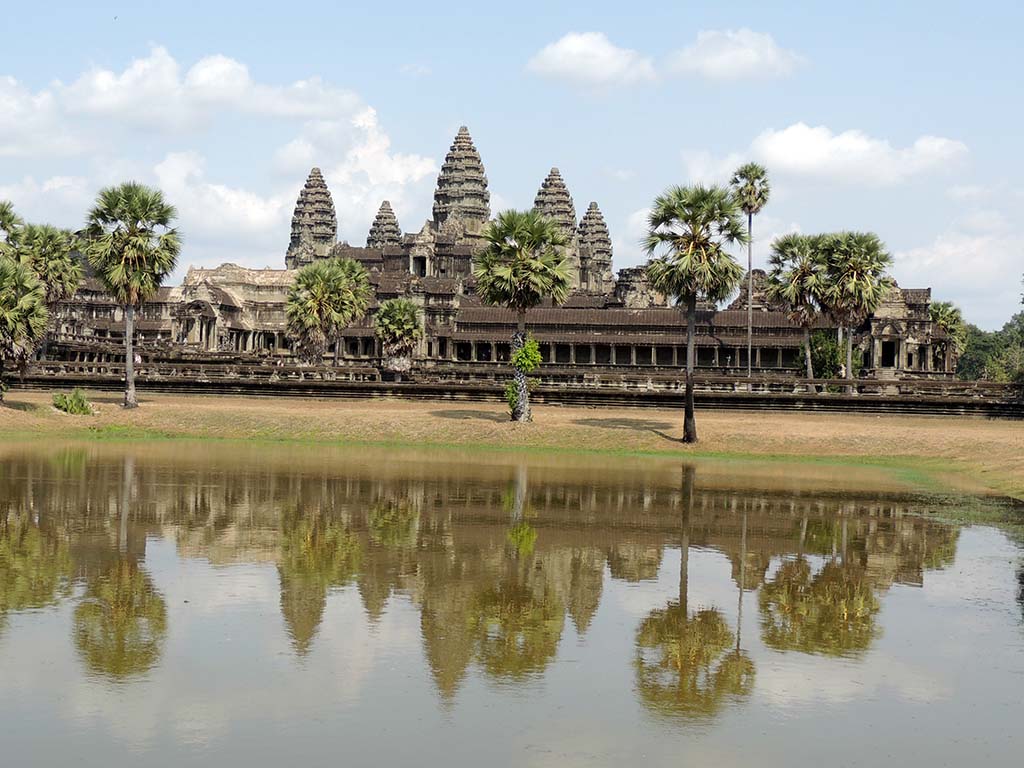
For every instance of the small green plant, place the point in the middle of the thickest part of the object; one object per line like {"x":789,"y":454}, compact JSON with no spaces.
{"x":527,"y":359}
{"x":511,"y":393}
{"x":74,"y":403}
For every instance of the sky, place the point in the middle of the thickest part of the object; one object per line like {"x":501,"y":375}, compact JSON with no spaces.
{"x":898,"y":118}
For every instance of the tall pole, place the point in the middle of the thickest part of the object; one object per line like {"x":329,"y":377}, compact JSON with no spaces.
{"x":750,"y":289}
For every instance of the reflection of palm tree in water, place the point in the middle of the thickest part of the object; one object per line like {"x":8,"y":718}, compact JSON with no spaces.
{"x":35,"y":564}
{"x":121,"y":623}
{"x":521,"y":536}
{"x":680,"y":667}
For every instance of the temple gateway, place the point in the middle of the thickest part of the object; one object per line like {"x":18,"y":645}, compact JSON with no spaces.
{"x":236,"y":314}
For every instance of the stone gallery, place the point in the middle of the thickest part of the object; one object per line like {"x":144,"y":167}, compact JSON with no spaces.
{"x":236,"y":314}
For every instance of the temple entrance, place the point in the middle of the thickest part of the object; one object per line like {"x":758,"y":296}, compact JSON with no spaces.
{"x":888,"y":355}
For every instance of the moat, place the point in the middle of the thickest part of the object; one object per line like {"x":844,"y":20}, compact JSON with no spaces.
{"x":218,"y":603}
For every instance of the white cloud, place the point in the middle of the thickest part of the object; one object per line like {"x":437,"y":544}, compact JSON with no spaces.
{"x":704,"y":168}
{"x":733,"y":55}
{"x":30,"y":123}
{"x":980,"y":271}
{"x":852,"y":155}
{"x":590,"y":58}
{"x":966,"y":192}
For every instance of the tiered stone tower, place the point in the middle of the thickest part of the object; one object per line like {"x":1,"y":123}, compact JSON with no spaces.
{"x":385,"y":230}
{"x":595,"y":252}
{"x":314,"y":223}
{"x":462,"y":203}
{"x":554,"y":201}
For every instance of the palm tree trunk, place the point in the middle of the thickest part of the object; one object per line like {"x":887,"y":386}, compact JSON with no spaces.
{"x":807,"y":353}
{"x":521,"y":410}
{"x":689,"y":420}
{"x":750,"y":290}
{"x":743,"y":580}
{"x":849,"y":353}
{"x":2,"y":386}
{"x":689,"y":475}
{"x":129,"y":358}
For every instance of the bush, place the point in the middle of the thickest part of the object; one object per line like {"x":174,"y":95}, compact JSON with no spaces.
{"x":527,"y":359}
{"x":75,"y":403}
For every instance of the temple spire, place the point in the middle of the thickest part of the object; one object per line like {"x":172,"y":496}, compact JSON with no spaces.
{"x":595,"y":252}
{"x":314,"y":223}
{"x":554,"y":201}
{"x":385,"y":230}
{"x":461,"y":197}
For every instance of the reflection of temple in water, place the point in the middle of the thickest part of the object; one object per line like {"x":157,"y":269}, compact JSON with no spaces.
{"x":499,"y":563}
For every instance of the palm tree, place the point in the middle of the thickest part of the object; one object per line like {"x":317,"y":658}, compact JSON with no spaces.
{"x":692,"y":227}
{"x":23,"y":314}
{"x":948,"y":317}
{"x":325,"y":298}
{"x":398,"y":328}
{"x":751,"y":187}
{"x":49,"y":252}
{"x":131,"y":247}
{"x":797,"y":281}
{"x":10,"y":225}
{"x":523,"y":264}
{"x":857,"y":265}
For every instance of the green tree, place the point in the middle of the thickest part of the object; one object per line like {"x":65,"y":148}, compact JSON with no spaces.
{"x":948,"y":317}
{"x":131,"y":246}
{"x":797,"y":282}
{"x":10,"y":225}
{"x":522,"y":265}
{"x":326,"y":297}
{"x":690,"y":227}
{"x":121,"y":623}
{"x":752,"y":189}
{"x":857,"y":267}
{"x":50,"y":253}
{"x":23,"y":314}
{"x":398,"y":328}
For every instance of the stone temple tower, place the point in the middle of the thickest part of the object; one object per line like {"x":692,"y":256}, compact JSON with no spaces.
{"x":385,"y":230}
{"x":462,"y":203}
{"x":314,"y":223}
{"x":554,"y":201}
{"x":595,"y":252}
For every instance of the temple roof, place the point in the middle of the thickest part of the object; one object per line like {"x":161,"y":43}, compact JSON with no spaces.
{"x":461,"y":193}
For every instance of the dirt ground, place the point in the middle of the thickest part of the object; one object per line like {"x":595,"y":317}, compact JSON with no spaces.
{"x":961,"y":452}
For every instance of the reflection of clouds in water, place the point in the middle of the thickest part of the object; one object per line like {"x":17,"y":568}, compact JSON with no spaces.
{"x":800,"y":680}
{"x":983,"y":575}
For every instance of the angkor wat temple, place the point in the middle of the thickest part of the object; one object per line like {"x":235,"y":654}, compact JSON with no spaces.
{"x":233,"y":313}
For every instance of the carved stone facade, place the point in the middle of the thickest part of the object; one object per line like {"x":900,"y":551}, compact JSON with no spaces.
{"x":384,"y":232}
{"x":595,"y":259}
{"x":314,"y":223}
{"x":461,"y":201}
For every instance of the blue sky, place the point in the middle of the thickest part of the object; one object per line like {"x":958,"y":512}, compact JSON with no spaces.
{"x":902,"y":118}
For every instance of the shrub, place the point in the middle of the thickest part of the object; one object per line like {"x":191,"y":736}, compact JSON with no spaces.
{"x":527,"y":359}
{"x":74,"y":403}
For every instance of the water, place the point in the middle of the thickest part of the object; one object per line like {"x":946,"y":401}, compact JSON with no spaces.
{"x":220,"y":604}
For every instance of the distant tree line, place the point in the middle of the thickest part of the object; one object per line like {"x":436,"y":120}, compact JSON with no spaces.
{"x":994,"y":355}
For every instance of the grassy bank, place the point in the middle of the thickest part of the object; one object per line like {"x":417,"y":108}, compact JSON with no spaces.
{"x":935,"y":452}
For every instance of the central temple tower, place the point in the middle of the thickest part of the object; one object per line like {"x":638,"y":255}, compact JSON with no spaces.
{"x":462,"y":203}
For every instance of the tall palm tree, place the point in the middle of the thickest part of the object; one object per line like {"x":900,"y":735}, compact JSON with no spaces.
{"x":752,"y":189}
{"x":326,"y":297}
{"x":131,"y":246}
{"x":691,"y":227}
{"x":797,"y":281}
{"x":857,"y":266}
{"x":49,"y":252}
{"x":23,"y":314}
{"x":948,"y":317}
{"x":398,"y":328}
{"x":523,"y":264}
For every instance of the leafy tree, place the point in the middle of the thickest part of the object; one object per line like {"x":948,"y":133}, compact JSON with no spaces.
{"x":326,"y":297}
{"x":690,"y":227}
{"x":948,"y":317}
{"x":121,"y":623}
{"x":522,"y":265}
{"x":398,"y":328}
{"x":857,"y":266}
{"x":10,"y":225}
{"x":23,"y":314}
{"x":994,"y":355}
{"x":49,"y":252}
{"x":797,"y":281}
{"x":132,"y":247}
{"x":752,"y":189}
